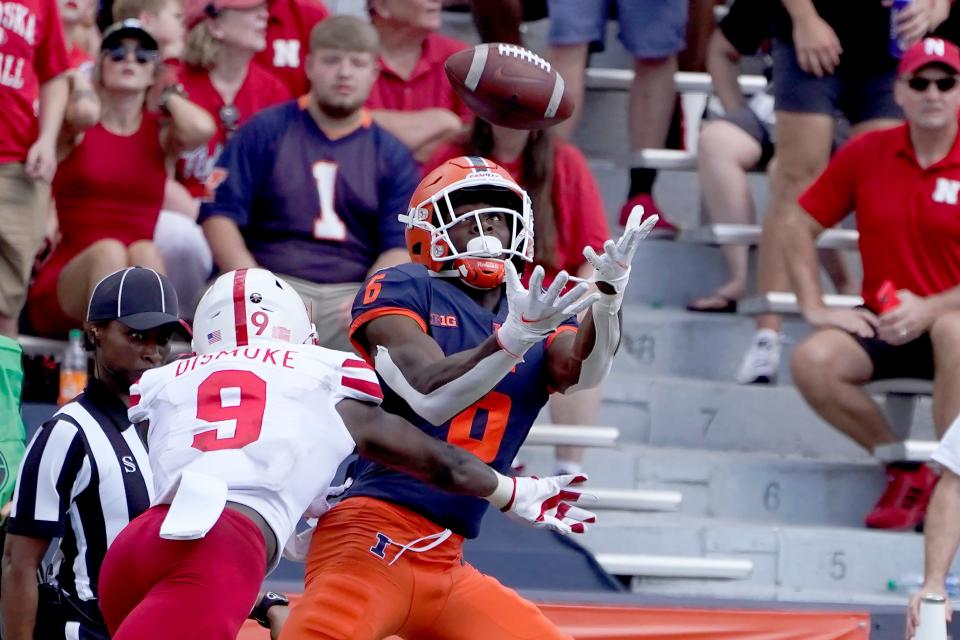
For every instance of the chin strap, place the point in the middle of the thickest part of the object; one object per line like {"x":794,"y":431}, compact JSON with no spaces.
{"x":606,"y":324}
{"x":443,"y":403}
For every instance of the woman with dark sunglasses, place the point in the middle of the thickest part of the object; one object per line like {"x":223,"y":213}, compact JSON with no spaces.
{"x":110,"y":181}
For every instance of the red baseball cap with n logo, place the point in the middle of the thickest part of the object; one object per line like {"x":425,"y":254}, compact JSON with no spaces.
{"x":930,"y":51}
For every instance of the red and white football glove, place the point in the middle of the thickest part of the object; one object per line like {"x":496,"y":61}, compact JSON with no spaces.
{"x":544,"y":502}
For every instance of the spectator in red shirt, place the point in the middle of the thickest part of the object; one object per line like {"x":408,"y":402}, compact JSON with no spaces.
{"x":110,"y":181}
{"x":904,"y":184}
{"x":568,"y":215}
{"x":34,"y":57}
{"x":221,"y":77}
{"x":80,"y":31}
{"x":412,"y":98}
{"x":288,"y":41}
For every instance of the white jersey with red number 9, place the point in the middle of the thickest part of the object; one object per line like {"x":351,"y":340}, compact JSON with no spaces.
{"x":260,"y":418}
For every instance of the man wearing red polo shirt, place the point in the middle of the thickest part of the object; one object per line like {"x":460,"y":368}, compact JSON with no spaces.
{"x":904,"y":184}
{"x":412,"y":98}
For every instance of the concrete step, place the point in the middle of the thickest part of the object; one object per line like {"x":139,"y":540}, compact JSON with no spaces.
{"x":848,"y":564}
{"x":680,"y":343}
{"x":751,"y":487}
{"x":573,"y":435}
{"x":785,"y":303}
{"x":633,"y":500}
{"x":654,"y":566}
{"x":698,"y":414}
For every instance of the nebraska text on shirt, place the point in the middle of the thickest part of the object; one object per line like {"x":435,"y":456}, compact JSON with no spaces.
{"x":18,"y":18}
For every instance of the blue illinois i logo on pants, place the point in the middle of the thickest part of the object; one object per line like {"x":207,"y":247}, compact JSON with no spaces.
{"x":379,"y":548}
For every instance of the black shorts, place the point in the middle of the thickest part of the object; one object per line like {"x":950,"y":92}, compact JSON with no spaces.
{"x":911,"y":360}
{"x":746,"y":119}
{"x":858,"y":93}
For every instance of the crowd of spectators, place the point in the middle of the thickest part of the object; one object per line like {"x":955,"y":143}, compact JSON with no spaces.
{"x":209,"y":135}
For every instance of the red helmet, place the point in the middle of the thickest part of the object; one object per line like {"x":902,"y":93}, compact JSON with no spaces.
{"x":431,"y":215}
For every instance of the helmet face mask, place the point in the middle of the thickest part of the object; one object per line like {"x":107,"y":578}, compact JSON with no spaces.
{"x":247,"y":307}
{"x":432,"y":216}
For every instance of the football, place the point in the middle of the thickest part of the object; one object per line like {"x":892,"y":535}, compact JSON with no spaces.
{"x":509,"y":86}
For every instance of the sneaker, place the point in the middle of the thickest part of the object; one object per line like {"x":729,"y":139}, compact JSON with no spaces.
{"x":663,"y":229}
{"x":904,"y":504}
{"x":761,"y":363}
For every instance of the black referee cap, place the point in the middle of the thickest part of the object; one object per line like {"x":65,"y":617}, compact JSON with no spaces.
{"x":138,"y":297}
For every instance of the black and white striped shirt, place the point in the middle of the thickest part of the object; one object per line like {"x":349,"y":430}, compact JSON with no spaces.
{"x":84,"y":476}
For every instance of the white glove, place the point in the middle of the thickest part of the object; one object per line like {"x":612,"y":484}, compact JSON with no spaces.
{"x":544,"y":502}
{"x":613,"y":266}
{"x":534,"y":314}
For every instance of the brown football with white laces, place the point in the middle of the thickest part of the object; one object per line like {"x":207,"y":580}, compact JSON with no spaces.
{"x":510,"y":86}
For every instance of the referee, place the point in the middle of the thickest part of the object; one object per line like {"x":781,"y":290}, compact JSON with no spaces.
{"x":85,"y":474}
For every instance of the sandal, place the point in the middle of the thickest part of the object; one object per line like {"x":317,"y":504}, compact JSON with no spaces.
{"x":713,"y":303}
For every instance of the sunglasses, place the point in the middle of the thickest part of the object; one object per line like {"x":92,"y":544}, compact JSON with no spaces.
{"x":140,"y":55}
{"x":920,"y":84}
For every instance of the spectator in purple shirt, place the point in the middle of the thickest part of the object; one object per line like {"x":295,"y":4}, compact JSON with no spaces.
{"x":311,"y":189}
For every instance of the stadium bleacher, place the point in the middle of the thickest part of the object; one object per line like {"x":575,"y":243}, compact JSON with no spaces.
{"x":709,"y":493}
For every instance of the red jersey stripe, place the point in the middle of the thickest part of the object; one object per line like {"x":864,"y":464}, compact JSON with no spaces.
{"x":364,"y":386}
{"x":356,"y":364}
{"x":240,"y":306}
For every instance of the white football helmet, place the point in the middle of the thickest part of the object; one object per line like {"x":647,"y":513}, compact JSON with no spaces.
{"x":250,"y":306}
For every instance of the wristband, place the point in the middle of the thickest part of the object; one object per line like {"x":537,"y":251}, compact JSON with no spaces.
{"x":269,"y":599}
{"x":169,"y":90}
{"x":505,"y":493}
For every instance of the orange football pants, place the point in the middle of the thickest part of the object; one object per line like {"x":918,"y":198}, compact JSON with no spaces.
{"x":352,"y":593}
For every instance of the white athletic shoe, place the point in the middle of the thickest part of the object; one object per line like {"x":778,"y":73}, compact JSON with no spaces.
{"x":761,"y":363}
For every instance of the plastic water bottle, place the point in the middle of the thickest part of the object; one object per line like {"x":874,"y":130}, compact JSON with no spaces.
{"x":897,"y":45}
{"x":73,"y":369}
{"x":912,"y":583}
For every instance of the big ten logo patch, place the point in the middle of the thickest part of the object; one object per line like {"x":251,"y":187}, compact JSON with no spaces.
{"x":946,"y":191}
{"x":443,"y":320}
{"x":286,"y":53}
{"x":379,"y":549}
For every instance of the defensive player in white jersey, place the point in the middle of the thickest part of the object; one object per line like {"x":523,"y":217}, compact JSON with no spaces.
{"x":245,"y":437}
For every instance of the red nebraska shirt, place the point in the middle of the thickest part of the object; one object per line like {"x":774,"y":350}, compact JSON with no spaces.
{"x":260,"y":89}
{"x":427,"y":87}
{"x":288,"y":41}
{"x":32,"y":51}
{"x":908,"y":217}
{"x":578,"y":210}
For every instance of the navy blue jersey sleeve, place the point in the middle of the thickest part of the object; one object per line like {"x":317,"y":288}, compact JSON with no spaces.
{"x":399,"y":176}
{"x":392,"y":291}
{"x":50,"y":476}
{"x":242,"y":168}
